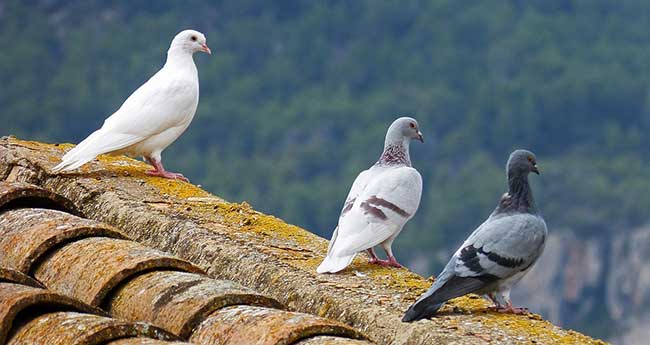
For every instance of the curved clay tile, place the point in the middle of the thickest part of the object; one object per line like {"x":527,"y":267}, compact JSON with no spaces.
{"x":90,"y":268}
{"x":12,"y":276}
{"x":179,"y":301}
{"x":15,"y":298}
{"x":330,"y":340}
{"x":263,"y":326}
{"x":72,"y":328}
{"x":264,"y":253}
{"x":19,"y":195}
{"x":144,"y":341}
{"x":27,"y":233}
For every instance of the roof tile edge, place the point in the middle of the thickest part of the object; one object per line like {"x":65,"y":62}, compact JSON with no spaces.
{"x":233,"y":241}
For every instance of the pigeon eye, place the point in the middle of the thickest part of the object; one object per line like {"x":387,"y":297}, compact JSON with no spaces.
{"x":193,"y":38}
{"x":412,"y":125}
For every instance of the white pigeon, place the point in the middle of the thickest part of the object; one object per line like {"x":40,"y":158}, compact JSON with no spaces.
{"x":382,"y":199}
{"x":154,"y":116}
{"x":498,"y":253}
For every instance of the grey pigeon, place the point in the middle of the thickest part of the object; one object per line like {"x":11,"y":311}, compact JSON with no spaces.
{"x":498,"y":253}
{"x":382,"y":199}
{"x":154,"y":116}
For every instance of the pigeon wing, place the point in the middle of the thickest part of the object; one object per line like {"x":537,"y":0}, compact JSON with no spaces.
{"x":502,"y":246}
{"x":159,"y":104}
{"x":498,"y":249}
{"x":164,"y":101}
{"x":358,"y":186}
{"x":389,"y":200}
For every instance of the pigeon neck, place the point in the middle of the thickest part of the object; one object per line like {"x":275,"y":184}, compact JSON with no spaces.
{"x":396,"y":152}
{"x":519,"y":197}
{"x":179,"y":56}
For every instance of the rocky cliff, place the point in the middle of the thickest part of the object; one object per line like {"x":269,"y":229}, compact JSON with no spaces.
{"x":603,"y":284}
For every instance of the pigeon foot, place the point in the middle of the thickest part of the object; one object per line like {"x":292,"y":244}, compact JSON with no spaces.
{"x":391,"y":262}
{"x":167,"y":174}
{"x":373,"y":257}
{"x":512,"y":310}
{"x":159,"y":170}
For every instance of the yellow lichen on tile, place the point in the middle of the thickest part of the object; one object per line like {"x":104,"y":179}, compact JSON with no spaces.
{"x":535,"y":328}
{"x":176,"y":188}
{"x":390,"y":288}
{"x":247,"y":219}
{"x":36,"y":145}
{"x":134,"y":168}
{"x":532,"y":325}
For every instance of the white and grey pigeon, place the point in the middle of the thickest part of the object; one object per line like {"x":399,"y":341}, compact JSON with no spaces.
{"x":498,"y":253}
{"x":382,"y":199}
{"x":154,"y":116}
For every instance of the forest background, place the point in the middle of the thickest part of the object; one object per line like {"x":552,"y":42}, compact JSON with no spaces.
{"x":297,"y":96}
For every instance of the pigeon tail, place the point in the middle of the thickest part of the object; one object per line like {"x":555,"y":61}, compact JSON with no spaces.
{"x":71,"y":164}
{"x":443,"y":289}
{"x":421,"y":310}
{"x":428,"y":304}
{"x":76,"y":157}
{"x":333,"y":264}
{"x":100,"y":142}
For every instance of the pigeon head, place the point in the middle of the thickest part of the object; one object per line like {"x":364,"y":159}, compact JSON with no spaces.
{"x":189,"y":41}
{"x":522,"y":162}
{"x":404,"y":127}
{"x":399,"y":136}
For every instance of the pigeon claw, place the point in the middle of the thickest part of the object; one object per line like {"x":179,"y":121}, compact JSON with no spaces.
{"x":386,"y":263}
{"x":512,"y":310}
{"x":167,"y":174}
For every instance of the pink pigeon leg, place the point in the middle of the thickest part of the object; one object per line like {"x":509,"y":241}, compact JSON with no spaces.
{"x":391,"y":262}
{"x":510,"y":309}
{"x":373,"y":257}
{"x":159,"y":170}
{"x":375,"y":260}
{"x":497,"y":306}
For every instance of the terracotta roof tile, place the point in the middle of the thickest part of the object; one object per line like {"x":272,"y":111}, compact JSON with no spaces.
{"x":12,"y":276}
{"x":16,"y":298}
{"x":329,"y":340}
{"x":90,"y":268}
{"x":77,"y":328}
{"x":233,"y":241}
{"x":27,"y":233}
{"x":145,"y":341}
{"x":87,"y":261}
{"x":178,"y":301}
{"x":246,"y":324}
{"x":31,"y":315}
{"x":17,"y":194}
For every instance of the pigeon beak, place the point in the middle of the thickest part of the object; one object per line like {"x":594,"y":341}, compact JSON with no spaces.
{"x":535,"y":169}
{"x":205,"y":49}
{"x":420,"y":137}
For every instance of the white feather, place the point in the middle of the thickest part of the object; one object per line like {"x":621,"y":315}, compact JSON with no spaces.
{"x":150,"y":119}
{"x":359,"y":230}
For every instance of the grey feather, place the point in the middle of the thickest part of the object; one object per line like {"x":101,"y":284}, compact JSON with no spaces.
{"x":505,"y":244}
{"x":499,"y":252}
